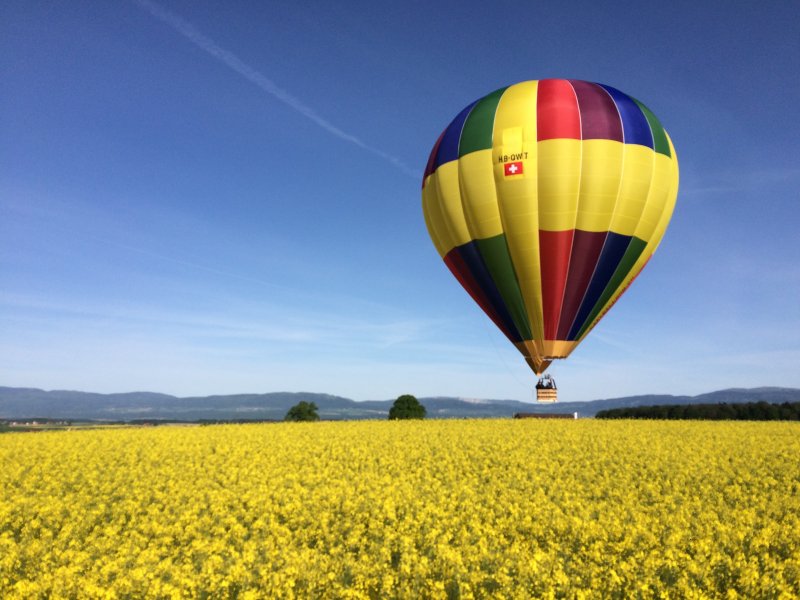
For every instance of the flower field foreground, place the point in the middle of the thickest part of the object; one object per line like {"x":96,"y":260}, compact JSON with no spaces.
{"x":439,"y":509}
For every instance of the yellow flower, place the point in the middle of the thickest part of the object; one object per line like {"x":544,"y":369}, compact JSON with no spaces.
{"x":438,"y":509}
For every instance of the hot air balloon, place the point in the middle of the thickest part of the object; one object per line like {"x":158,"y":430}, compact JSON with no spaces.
{"x":546,"y":199}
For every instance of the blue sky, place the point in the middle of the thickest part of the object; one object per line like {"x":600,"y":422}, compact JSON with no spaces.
{"x":201,"y":198}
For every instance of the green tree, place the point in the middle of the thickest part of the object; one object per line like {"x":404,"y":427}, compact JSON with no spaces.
{"x":407,"y":407}
{"x":304,"y":411}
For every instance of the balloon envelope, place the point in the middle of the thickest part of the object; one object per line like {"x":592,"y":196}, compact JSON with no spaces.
{"x":546,"y":199}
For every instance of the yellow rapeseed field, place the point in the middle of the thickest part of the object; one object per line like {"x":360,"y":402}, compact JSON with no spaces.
{"x":438,"y":509}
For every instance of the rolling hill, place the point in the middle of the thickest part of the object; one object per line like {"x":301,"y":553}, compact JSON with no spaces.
{"x":21,"y":403}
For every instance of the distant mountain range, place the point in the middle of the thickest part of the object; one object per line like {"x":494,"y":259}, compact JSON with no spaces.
{"x":22,"y":403}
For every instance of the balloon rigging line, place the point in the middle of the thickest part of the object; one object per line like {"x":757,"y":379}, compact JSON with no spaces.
{"x":233,"y":62}
{"x":488,"y":331}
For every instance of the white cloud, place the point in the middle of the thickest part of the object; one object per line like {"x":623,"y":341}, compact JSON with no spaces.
{"x":233,"y":62}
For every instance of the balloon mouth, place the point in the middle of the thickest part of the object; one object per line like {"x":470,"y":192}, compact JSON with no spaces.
{"x":540,"y":353}
{"x":538,"y":366}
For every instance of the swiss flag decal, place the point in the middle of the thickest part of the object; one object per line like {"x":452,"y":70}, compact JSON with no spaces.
{"x":512,"y":168}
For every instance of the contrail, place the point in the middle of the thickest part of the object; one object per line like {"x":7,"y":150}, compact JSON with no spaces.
{"x":233,"y":62}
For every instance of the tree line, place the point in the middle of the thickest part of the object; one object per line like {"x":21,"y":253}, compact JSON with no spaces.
{"x":405,"y":407}
{"x":746,"y":411}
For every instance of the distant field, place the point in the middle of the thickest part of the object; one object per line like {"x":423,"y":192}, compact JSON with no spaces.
{"x":35,"y":426}
{"x":441,"y":509}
